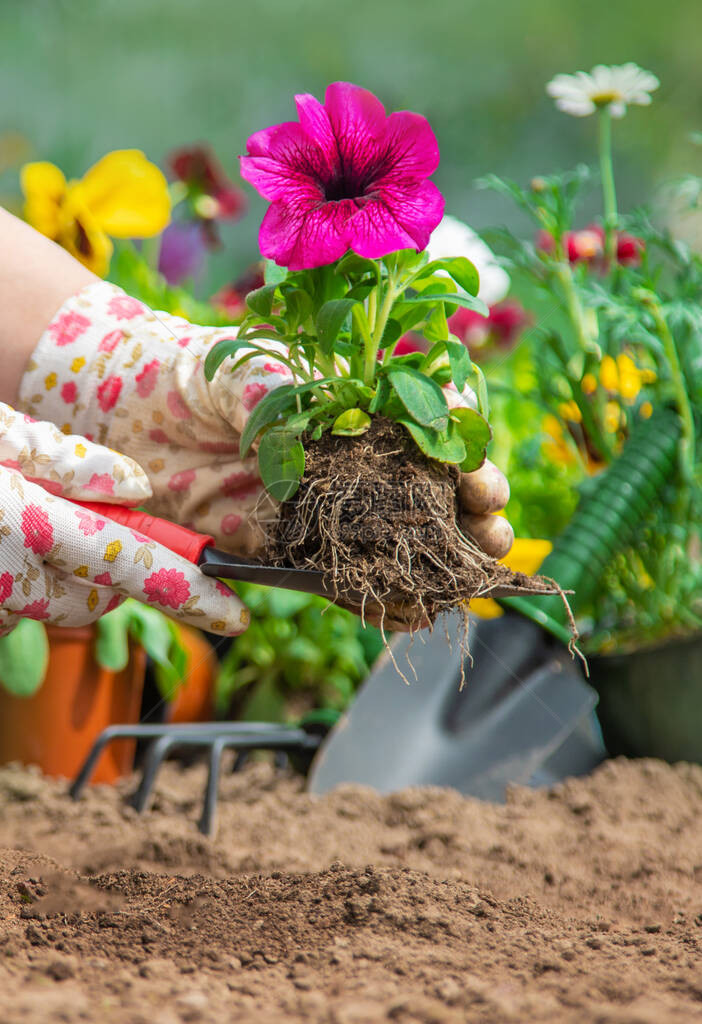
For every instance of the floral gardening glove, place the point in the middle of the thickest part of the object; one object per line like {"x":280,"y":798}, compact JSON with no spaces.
{"x":66,"y":565}
{"x":110,"y":368}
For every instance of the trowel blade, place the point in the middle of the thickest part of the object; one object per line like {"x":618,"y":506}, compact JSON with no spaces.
{"x":524,"y":708}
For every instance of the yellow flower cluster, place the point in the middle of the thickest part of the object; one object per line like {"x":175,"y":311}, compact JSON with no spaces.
{"x":123,"y":195}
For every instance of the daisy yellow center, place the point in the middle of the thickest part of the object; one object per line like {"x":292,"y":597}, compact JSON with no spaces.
{"x":603,"y":99}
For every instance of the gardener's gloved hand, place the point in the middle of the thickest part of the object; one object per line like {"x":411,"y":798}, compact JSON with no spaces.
{"x":64,"y":564}
{"x":110,"y":368}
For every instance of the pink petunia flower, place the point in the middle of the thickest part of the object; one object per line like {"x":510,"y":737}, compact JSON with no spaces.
{"x":6,"y":584}
{"x":124,"y":307}
{"x":35,"y":609}
{"x":67,"y":327}
{"x":167,"y":587}
{"x":146,"y":379}
{"x":103,"y":483}
{"x":69,"y":392}
{"x":88,"y":524}
{"x":108,"y":392}
{"x":38,"y":531}
{"x":346,"y":176}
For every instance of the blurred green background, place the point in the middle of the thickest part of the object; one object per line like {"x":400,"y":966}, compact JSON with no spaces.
{"x":81,"y":77}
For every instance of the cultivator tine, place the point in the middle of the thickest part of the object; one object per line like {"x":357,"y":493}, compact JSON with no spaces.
{"x":209,"y":804}
{"x":155,"y":755}
{"x":216,"y":737}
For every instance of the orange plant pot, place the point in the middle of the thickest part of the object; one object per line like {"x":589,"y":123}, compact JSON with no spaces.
{"x":57,"y":726}
{"x":194,"y":700}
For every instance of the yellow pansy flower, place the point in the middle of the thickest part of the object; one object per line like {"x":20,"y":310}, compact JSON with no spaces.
{"x":526,"y":555}
{"x":123,"y":195}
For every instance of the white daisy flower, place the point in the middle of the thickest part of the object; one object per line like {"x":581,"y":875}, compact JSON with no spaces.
{"x":582,"y":94}
{"x":454,"y":238}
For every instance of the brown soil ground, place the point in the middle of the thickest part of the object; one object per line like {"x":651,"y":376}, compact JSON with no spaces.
{"x":582,"y":903}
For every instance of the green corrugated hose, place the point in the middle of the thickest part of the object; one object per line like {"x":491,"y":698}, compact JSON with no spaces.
{"x":605,"y":522}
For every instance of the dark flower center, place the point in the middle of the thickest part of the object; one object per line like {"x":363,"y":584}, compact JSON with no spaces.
{"x":343,"y":186}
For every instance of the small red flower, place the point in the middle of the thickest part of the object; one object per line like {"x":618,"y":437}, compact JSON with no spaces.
{"x":103,"y":579}
{"x":240,"y":485}
{"x":167,"y":587}
{"x":182,"y":480}
{"x":6,"y":584}
{"x":146,"y":380}
{"x":407,"y":344}
{"x":230,"y":524}
{"x":123,"y":307}
{"x":114,"y":602}
{"x":177,"y":407}
{"x":67,"y":327}
{"x":110,"y":342}
{"x":158,"y":436}
{"x":103,"y":483}
{"x":108,"y":392}
{"x":253,"y":393}
{"x":213,"y":195}
{"x":35,"y":609}
{"x":69,"y":392}
{"x":88,"y":524}
{"x":38,"y":531}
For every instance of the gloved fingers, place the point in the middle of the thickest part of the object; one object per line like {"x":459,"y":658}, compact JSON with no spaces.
{"x":98,"y":551}
{"x":68,"y":464}
{"x":48,"y":595}
{"x":492,"y":533}
{"x":483,"y":491}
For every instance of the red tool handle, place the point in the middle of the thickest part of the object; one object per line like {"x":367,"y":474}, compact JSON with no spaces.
{"x":177,"y":539}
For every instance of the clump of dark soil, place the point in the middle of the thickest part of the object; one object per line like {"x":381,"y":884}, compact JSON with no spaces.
{"x":575,"y":905}
{"x":381,"y":520}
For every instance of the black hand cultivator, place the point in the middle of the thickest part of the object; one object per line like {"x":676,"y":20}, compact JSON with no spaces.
{"x":297,"y":742}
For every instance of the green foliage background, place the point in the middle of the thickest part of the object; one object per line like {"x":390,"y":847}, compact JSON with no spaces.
{"x":81,"y":77}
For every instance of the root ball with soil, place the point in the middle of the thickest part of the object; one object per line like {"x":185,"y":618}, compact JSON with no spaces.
{"x":381,"y":520}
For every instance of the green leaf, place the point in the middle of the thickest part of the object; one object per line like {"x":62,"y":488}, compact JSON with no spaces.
{"x":221,"y":351}
{"x":330,"y":320}
{"x":422,"y":397}
{"x":353,"y":264}
{"x":281,"y":460}
{"x":351,"y":423}
{"x":467,"y":301}
{"x":436,"y":327}
{"x":298,"y":306}
{"x":264,"y":413}
{"x":447,"y":446}
{"x":475,"y":434}
{"x":272,"y":273}
{"x":408,"y":315}
{"x":261,"y":299}
{"x":24,"y":658}
{"x":463,"y":272}
{"x":382,"y":393}
{"x":392,"y":333}
{"x":460,"y":363}
{"x":112,"y":640}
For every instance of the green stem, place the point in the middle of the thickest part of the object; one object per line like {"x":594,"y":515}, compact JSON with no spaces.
{"x":682,"y":399}
{"x":609,"y":194}
{"x":381,"y":319}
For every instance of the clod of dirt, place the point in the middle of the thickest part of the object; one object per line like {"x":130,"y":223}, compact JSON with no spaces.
{"x":381,"y":520}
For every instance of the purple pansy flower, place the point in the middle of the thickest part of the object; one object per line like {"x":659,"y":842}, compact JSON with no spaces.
{"x":182,"y":252}
{"x":345,"y":177}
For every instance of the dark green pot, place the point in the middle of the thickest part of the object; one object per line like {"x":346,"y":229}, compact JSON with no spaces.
{"x":651,"y":700}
